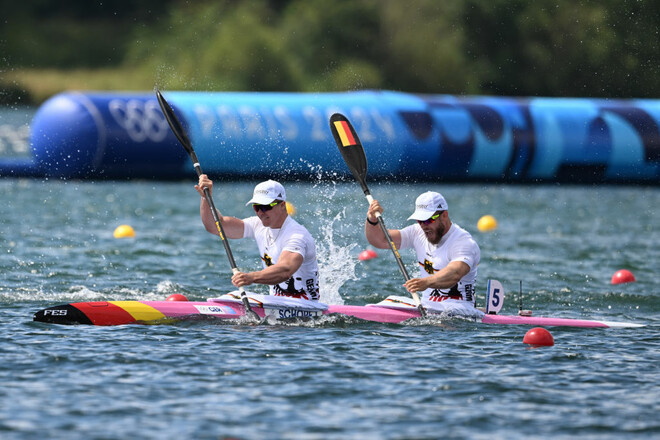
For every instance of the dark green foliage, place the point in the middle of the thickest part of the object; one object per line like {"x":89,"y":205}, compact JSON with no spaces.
{"x":605,"y":48}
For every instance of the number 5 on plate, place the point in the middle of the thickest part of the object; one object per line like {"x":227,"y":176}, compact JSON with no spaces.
{"x":495,"y":297}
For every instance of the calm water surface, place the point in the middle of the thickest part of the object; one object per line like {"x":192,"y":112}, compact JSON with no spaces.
{"x":336,"y":378}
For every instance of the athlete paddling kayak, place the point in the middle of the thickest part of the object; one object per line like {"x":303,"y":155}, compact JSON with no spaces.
{"x":447,"y":254}
{"x":287,"y":249}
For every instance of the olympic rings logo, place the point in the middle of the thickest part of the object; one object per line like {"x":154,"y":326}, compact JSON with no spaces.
{"x":142,"y":120}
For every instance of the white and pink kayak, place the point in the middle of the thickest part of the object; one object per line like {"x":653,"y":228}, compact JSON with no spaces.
{"x":394,"y":309}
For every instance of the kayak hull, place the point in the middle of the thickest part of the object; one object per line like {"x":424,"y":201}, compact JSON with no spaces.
{"x":109,"y":313}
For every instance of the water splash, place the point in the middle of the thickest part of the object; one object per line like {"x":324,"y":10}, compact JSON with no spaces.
{"x":167,"y":288}
{"x":336,"y":262}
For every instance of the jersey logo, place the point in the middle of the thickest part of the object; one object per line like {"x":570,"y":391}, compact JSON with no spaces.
{"x":439,"y":295}
{"x":290,"y":290}
{"x":453,"y":293}
{"x":428,"y":267}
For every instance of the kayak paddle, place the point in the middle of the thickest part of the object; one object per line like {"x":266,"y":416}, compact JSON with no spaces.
{"x":352,"y":151}
{"x":181,"y":135}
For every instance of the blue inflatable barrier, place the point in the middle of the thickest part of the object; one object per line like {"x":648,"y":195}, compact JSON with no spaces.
{"x":405,"y":136}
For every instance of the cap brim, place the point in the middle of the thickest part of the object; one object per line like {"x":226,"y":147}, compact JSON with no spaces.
{"x":260,"y":200}
{"x":421,"y":215}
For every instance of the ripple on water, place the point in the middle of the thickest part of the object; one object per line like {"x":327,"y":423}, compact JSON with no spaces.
{"x":337,"y":378}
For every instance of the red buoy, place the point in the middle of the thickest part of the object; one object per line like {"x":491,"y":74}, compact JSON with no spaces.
{"x":539,"y":337}
{"x":177,"y":297}
{"x":367,"y":255}
{"x":623,"y":276}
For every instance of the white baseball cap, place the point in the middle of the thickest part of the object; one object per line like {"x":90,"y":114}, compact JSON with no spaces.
{"x":267,"y":192}
{"x":427,"y":204}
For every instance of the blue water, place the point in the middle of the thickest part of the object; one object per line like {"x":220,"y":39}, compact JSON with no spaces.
{"x":336,"y":378}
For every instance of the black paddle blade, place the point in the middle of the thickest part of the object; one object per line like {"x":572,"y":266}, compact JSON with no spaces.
{"x":350,"y":148}
{"x":174,"y":123}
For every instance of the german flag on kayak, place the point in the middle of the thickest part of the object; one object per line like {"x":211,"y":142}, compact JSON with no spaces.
{"x":100,"y":313}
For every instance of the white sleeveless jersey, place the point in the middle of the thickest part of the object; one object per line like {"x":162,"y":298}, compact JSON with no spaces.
{"x":292,"y":237}
{"x":456,"y":245}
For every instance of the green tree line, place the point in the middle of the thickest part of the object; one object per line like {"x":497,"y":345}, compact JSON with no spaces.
{"x":606,"y":48}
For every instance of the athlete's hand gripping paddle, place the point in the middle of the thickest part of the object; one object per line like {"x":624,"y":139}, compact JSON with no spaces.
{"x":181,"y":135}
{"x":351,"y":150}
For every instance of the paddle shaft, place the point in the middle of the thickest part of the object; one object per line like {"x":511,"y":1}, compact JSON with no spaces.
{"x":388,"y":237}
{"x":218,"y":224}
{"x":180,"y":134}
{"x":221,"y":232}
{"x":352,"y":151}
{"x":394,"y":250}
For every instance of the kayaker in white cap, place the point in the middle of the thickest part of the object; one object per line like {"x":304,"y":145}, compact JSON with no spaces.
{"x":447,"y":254}
{"x":287,"y":249}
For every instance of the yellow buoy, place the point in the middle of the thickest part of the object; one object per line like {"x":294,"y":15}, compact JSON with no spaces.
{"x":124,"y":231}
{"x":487,"y":223}
{"x":290,"y":208}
